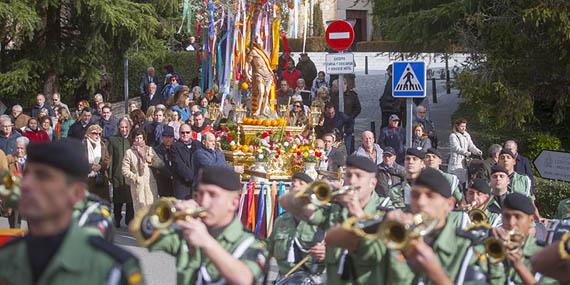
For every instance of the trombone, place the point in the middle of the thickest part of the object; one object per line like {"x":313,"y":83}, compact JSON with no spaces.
{"x":321,"y":193}
{"x":149,"y":221}
{"x":394,"y":234}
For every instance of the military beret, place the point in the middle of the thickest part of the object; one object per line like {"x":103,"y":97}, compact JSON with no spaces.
{"x":435,"y":181}
{"x":520,"y":202}
{"x":168,"y":131}
{"x":362,"y":163}
{"x":507,"y":151}
{"x":416,"y":152}
{"x":303,"y":177}
{"x":389,"y":150}
{"x":67,"y":155}
{"x":222,"y":176}
{"x":498,"y":168}
{"x":481,"y":185}
{"x":435,"y":152}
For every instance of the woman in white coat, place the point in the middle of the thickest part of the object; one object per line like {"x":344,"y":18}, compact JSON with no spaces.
{"x":461,"y":148}
{"x":136,"y":169}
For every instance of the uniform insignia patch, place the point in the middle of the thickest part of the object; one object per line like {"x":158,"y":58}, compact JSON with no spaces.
{"x":105,"y":212}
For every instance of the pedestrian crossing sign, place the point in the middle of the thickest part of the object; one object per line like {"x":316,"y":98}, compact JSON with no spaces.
{"x":409,"y":79}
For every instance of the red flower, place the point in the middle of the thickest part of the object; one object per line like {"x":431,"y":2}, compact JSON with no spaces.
{"x":299,"y":153}
{"x":264,"y":135}
{"x":288,"y":133}
{"x":271,"y":147}
{"x":317,"y":154}
{"x":230,"y":138}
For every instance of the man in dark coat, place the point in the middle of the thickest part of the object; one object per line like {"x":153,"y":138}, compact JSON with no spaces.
{"x":164,"y":176}
{"x":308,"y":69}
{"x":393,"y":135}
{"x":41,"y":104}
{"x":118,"y":145}
{"x":388,"y":104}
{"x":351,"y":101}
{"x":151,"y":97}
{"x":181,"y":159}
{"x":153,"y":130}
{"x":146,"y":80}
{"x":340,"y":121}
{"x":522,"y":165}
{"x":108,"y":123}
{"x":207,"y":155}
{"x":78,"y":129}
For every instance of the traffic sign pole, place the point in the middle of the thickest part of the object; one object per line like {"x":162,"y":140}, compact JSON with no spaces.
{"x":340,"y":36}
{"x":409,"y":107}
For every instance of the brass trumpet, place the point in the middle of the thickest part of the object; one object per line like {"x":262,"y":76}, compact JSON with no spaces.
{"x":10,"y":184}
{"x":149,"y":221}
{"x":394,"y":234}
{"x":497,"y":249}
{"x":321,"y":193}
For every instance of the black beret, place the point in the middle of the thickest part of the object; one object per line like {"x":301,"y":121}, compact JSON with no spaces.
{"x":362,"y":163}
{"x":222,"y":176}
{"x":481,"y":185}
{"x":303,"y":177}
{"x":435,"y":181}
{"x":520,"y":202}
{"x":67,"y":155}
{"x":498,"y":168}
{"x":434,"y":152}
{"x":416,"y":152}
{"x":507,"y":151}
{"x":168,"y":131}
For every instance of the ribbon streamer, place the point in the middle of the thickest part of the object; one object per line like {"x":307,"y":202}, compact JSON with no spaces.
{"x":261,"y":209}
{"x":280,"y":193}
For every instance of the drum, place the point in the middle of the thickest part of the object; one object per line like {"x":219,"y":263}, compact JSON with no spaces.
{"x":553,"y":232}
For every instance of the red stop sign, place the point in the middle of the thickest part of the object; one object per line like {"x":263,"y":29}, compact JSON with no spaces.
{"x":339,"y":35}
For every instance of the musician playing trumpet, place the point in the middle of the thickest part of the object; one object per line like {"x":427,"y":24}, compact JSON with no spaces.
{"x":518,"y":219}
{"x":340,"y":266}
{"x":434,"y":256}
{"x":477,"y":199}
{"x":214,"y":249}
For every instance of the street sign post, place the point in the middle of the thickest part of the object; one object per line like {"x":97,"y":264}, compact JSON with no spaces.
{"x":340,"y":36}
{"x":339,"y":63}
{"x":553,"y":165}
{"x":409,"y":81}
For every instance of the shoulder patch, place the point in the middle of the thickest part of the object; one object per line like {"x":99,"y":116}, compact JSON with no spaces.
{"x":117,"y":253}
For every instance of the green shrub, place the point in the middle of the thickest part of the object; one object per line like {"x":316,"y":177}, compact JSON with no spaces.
{"x":548,"y":194}
{"x":538,"y":141}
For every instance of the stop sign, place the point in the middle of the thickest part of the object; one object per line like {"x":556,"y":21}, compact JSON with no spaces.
{"x":339,"y":35}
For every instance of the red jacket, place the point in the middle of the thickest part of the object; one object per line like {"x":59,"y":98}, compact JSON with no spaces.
{"x":291,"y":77}
{"x":39,"y":136}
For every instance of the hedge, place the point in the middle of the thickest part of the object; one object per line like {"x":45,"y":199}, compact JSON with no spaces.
{"x":548,"y":192}
{"x":184,"y":63}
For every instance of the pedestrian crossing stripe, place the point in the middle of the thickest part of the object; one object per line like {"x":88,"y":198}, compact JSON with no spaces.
{"x":409,"y":81}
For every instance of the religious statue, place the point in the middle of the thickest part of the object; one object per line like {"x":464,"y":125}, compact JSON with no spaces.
{"x":262,"y":80}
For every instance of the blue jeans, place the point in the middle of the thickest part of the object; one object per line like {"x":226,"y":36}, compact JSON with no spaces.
{"x":349,"y":143}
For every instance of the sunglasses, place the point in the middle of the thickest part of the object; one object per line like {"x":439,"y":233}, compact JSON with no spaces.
{"x":96,"y":133}
{"x":297,"y":106}
{"x":185,"y":133}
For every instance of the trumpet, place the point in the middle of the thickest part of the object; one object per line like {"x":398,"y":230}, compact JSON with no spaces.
{"x":321,"y":193}
{"x":497,"y":249}
{"x":149,"y":221}
{"x":394,"y":234}
{"x":10,"y":185}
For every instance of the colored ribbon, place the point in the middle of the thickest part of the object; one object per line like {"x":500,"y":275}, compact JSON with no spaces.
{"x":250,"y":224}
{"x":242,"y":200}
{"x":280,"y":193}
{"x":286,"y":47}
{"x":261,"y":209}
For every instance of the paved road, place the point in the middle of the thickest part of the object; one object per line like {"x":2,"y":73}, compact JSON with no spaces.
{"x":159,"y":268}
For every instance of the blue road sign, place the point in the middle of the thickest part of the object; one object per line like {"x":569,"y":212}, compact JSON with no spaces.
{"x":409,"y":79}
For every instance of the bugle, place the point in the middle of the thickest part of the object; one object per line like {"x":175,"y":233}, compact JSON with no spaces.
{"x":149,"y":221}
{"x":394,"y":234}
{"x":321,"y":193}
{"x":497,"y":249}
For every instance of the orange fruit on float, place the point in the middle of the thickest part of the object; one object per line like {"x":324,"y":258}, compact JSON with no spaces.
{"x":233,"y":147}
{"x":274,"y":123}
{"x":245,"y":148}
{"x":267,"y":123}
{"x":254,"y":121}
{"x":246,"y":121}
{"x":244,"y":86}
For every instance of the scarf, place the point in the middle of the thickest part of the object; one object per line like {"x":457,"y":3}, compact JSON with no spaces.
{"x":140,"y":152}
{"x":93,"y":153}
